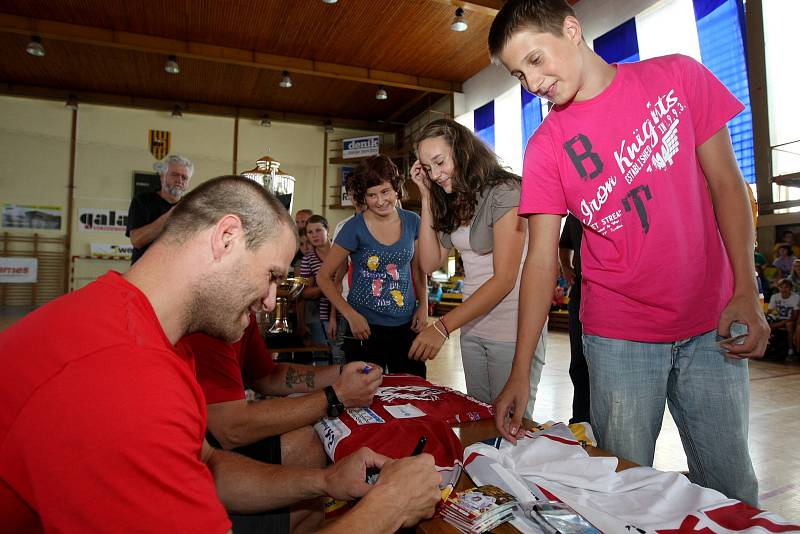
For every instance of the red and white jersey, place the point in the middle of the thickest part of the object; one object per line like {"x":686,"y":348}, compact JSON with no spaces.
{"x":404,"y":409}
{"x":551,"y":465}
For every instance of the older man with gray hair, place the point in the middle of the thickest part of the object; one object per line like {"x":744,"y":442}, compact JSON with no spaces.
{"x":148,"y":212}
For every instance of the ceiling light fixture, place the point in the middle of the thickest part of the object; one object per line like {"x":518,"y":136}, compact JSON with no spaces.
{"x":265,"y":122}
{"x":286,"y":81}
{"x":72,"y":102}
{"x":329,"y":127}
{"x":329,"y":1}
{"x":177,"y":112}
{"x":171,"y":66}
{"x":381,"y":94}
{"x":459,"y":22}
{"x":35,"y":47}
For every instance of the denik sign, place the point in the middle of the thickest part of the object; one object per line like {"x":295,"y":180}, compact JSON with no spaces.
{"x":359,"y":147}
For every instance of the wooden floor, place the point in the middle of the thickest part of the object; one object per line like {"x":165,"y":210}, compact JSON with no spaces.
{"x":774,"y":416}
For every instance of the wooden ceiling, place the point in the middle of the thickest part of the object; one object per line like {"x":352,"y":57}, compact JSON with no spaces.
{"x":231,"y":54}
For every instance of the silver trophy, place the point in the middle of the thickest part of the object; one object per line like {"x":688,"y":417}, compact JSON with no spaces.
{"x":267,"y":173}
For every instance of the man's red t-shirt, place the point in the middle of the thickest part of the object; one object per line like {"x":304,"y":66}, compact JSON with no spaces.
{"x":221,"y":365}
{"x":102,"y":422}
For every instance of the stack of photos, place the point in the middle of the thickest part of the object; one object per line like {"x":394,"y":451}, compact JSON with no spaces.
{"x":479,"y":509}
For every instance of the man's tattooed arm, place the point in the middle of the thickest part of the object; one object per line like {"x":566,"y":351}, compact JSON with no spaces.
{"x":295,"y":377}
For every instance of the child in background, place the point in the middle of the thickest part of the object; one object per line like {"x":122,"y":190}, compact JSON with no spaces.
{"x":318,"y":307}
{"x":782,"y":313}
{"x":640,"y":153}
{"x":305,"y":248}
{"x":785,"y":260}
{"x":788,"y":239}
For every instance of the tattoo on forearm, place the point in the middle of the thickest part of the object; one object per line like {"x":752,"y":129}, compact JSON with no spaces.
{"x":294,"y":377}
{"x":291,"y":377}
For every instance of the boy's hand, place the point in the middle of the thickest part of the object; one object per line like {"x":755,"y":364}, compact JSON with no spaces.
{"x":509,"y":407}
{"x":747,"y":310}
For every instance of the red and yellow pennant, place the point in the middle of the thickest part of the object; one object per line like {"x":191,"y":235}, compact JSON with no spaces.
{"x":159,"y":143}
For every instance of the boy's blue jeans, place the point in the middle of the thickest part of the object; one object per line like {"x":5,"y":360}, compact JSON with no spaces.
{"x":708,"y":396}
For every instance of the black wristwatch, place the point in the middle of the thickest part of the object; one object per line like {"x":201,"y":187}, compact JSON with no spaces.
{"x":335,"y":406}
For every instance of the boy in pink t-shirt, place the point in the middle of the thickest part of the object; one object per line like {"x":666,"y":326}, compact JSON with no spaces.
{"x":640,"y":154}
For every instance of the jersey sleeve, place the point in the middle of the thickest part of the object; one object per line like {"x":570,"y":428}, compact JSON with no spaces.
{"x":130,"y":461}
{"x":542,"y":189}
{"x":256,"y":357}
{"x":219,"y":371}
{"x":713,"y":105}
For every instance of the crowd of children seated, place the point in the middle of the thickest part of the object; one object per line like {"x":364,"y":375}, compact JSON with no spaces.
{"x":780,"y":280}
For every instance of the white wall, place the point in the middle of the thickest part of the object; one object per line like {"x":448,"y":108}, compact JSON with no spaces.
{"x":485,"y":86}
{"x":34,"y":155}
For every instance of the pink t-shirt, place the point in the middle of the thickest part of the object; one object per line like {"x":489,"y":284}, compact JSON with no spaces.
{"x":624,"y":162}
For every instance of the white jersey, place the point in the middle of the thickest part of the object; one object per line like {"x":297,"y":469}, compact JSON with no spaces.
{"x":551,"y":465}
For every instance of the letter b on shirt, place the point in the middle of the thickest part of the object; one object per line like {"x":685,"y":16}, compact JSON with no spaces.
{"x":579,"y":149}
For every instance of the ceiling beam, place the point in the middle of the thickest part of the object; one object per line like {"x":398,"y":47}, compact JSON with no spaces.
{"x":155,"y":104}
{"x":405,"y":107}
{"x":60,"y":31}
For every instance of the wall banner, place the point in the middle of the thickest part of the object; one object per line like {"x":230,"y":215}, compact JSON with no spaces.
{"x":103,"y":250}
{"x":102,"y":220}
{"x":159,"y":143}
{"x":359,"y":147}
{"x":18,"y":270}
{"x":34,"y":217}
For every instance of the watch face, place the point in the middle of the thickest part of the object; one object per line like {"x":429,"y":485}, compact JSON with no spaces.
{"x":335,"y":406}
{"x":335,"y":410}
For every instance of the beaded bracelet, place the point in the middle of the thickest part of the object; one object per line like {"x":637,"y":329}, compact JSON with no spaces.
{"x":441,"y":320}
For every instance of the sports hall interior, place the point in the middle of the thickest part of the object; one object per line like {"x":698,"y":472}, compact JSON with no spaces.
{"x":110,"y":86}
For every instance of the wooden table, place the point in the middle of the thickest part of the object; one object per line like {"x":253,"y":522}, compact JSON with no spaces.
{"x":474,"y":432}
